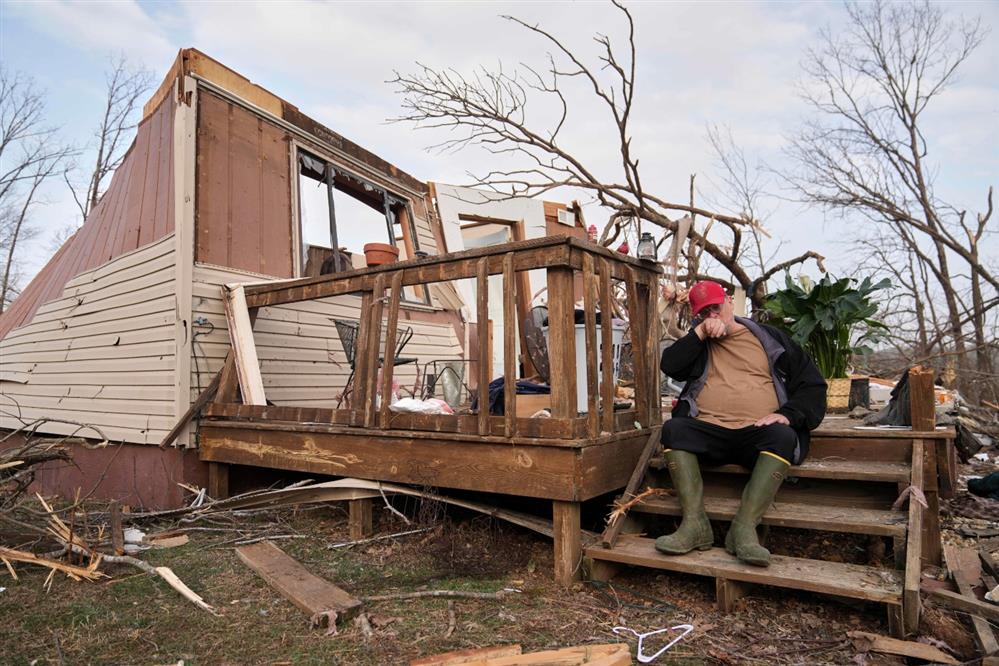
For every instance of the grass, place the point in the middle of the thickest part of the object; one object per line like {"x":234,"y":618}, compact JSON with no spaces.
{"x":138,"y":619}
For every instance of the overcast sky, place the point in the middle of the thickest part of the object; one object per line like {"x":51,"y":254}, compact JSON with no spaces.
{"x":726,"y":63}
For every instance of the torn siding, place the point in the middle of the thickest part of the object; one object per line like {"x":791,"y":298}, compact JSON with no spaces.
{"x":102,"y":353}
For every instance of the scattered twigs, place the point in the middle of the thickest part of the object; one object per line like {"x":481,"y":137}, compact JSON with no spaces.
{"x":358,"y":542}
{"x":621,"y":508}
{"x":392,"y":508}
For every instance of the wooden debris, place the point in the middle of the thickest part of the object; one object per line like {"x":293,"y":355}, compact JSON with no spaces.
{"x":251,"y":385}
{"x":868,"y":642}
{"x":199,"y":403}
{"x":609,"y":654}
{"x":464,"y":657}
{"x":965,"y":604}
{"x":459,"y":594}
{"x":117,"y":536}
{"x":169,"y":542}
{"x":89,"y":572}
{"x":317,"y":597}
{"x":622,"y":508}
{"x":616,"y":520}
{"x":966,"y":569}
{"x":167,"y":574}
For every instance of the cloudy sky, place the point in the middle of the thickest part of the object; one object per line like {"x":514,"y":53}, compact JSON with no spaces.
{"x":734,"y":64}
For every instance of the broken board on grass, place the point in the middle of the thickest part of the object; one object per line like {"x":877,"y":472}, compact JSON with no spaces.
{"x":317,"y":597}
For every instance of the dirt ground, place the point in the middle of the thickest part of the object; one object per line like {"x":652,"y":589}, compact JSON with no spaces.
{"x":134,"y":618}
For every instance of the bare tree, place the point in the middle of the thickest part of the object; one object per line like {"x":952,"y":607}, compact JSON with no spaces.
{"x":864,"y":155}
{"x":496,"y":109}
{"x":126,"y":88}
{"x":30,"y":155}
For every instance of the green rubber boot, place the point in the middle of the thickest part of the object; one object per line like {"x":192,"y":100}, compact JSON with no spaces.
{"x":741,"y":540}
{"x":695,"y":528}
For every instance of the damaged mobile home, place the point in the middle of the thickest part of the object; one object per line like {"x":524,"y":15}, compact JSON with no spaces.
{"x":211,"y":274}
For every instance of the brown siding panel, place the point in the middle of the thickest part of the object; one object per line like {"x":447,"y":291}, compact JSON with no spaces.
{"x":103,"y":236}
{"x":244,"y":208}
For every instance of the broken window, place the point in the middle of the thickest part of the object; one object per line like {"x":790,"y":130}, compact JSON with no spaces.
{"x":340,"y":210}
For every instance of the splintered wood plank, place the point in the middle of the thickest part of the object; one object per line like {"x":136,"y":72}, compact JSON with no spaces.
{"x":610,"y":534}
{"x":228,"y":381}
{"x":509,"y":346}
{"x":241,"y":335}
{"x":388,"y":366}
{"x":590,"y":328}
{"x":965,"y":568}
{"x":307,"y":591}
{"x":914,"y":545}
{"x":794,"y":514}
{"x":868,"y":642}
{"x":485,"y":342}
{"x":845,"y":580}
{"x":606,"y":348}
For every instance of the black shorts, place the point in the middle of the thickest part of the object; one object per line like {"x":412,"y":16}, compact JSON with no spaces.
{"x":716,"y":445}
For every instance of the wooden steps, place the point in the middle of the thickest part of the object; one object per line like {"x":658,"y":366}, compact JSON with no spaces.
{"x":828,"y":468}
{"x":844,"y":580}
{"x":850,"y":520}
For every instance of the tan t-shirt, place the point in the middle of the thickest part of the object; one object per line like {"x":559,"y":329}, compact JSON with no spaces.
{"x":739,"y":389}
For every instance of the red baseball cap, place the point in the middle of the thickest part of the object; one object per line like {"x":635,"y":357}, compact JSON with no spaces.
{"x":704,"y":294}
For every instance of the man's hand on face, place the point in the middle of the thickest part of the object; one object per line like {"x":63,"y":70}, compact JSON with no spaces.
{"x":711,"y":328}
{"x":770,"y":419}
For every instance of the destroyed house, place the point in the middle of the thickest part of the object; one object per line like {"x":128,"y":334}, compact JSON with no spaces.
{"x":224,"y":183}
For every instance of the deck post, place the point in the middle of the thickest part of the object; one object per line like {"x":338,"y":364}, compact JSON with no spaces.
{"x":727,"y":592}
{"x":218,"y":480}
{"x":568,"y":548}
{"x":359,"y":522}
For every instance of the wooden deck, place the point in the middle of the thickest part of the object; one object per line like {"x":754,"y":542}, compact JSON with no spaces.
{"x":565,"y":459}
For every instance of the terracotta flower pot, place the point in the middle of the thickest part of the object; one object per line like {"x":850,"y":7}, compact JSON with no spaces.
{"x":376,"y":254}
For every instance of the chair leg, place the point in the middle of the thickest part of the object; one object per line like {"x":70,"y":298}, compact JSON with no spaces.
{"x":346,"y":390}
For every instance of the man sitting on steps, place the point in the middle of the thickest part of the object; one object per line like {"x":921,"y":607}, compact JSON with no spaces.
{"x":751,"y":398}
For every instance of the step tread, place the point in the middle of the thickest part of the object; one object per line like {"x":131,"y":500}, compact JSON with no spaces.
{"x":796,"y":515}
{"x":846,"y":580}
{"x":828,"y":468}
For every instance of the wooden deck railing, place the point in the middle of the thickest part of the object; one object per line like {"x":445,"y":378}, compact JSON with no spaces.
{"x":570,"y":264}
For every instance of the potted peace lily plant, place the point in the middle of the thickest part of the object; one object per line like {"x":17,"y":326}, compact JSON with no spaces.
{"x":834,"y":321}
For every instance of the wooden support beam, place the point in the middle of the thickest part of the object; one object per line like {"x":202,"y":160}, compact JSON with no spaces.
{"x":922,"y":402}
{"x":650,"y":296}
{"x":251,"y":385}
{"x":218,"y":480}
{"x":636,"y":315}
{"x":568,"y":547}
{"x":372,"y":347}
{"x":388,"y":366}
{"x":727,"y":592}
{"x":360,"y":518}
{"x":206,"y":397}
{"x":562,"y":342}
{"x":509,"y":345}
{"x":228,"y":381}
{"x":652,"y":447}
{"x":606,"y":347}
{"x":359,"y":396}
{"x":914,"y":546}
{"x":590,"y":328}
{"x":485,"y":342}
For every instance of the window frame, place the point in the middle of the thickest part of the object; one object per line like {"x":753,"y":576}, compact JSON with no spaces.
{"x":392,"y":205}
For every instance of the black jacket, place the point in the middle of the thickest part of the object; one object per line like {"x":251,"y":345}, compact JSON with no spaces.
{"x":801,"y":390}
